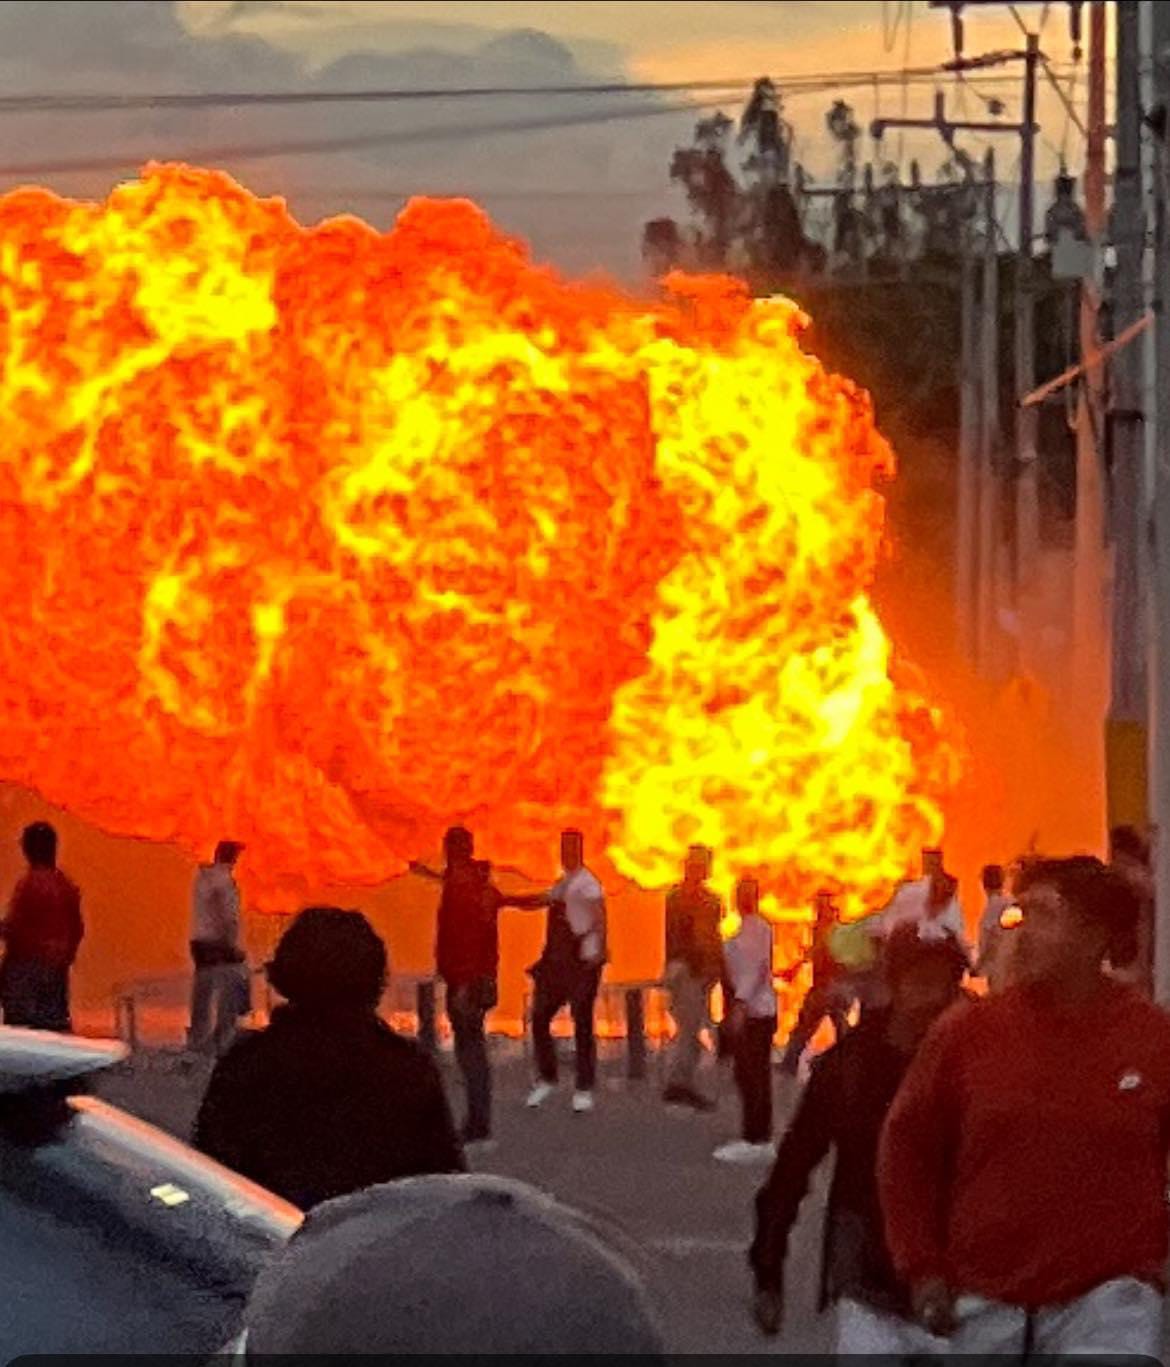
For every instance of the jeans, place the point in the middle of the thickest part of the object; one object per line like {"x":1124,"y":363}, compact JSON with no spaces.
{"x":35,"y":995}
{"x":220,"y":995}
{"x":688,"y":1005}
{"x":753,"y":1076}
{"x":558,"y":985}
{"x":863,"y":1331}
{"x":467,"y":1008}
{"x":1118,"y":1319}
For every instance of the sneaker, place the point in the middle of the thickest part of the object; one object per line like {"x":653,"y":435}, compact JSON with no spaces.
{"x":540,"y":1093}
{"x":740,"y":1152}
{"x":476,"y":1148}
{"x":582,"y":1102}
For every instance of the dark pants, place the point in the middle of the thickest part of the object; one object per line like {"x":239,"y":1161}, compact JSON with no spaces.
{"x":467,"y":1008}
{"x":574,"y":985}
{"x":753,"y":1076}
{"x":35,"y":995}
{"x":822,"y":1000}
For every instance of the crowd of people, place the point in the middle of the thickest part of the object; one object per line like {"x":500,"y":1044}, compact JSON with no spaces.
{"x":999,"y":1156}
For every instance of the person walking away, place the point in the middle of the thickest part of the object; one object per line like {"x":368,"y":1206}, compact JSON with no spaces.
{"x":694,"y":964}
{"x":568,"y":971}
{"x":328,"y":1099}
{"x":991,"y":928}
{"x":849,"y":1091}
{"x":42,"y":933}
{"x":1130,"y":856}
{"x":467,"y":956}
{"x":825,"y":994}
{"x":752,"y":1022}
{"x":220,"y":988}
{"x":1022,"y":1168}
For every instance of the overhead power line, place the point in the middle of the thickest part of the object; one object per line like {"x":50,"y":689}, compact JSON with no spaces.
{"x":55,"y":102}
{"x":303,"y":147}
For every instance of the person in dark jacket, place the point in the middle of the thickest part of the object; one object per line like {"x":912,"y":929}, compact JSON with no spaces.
{"x":328,"y":1099}
{"x":823,"y":997}
{"x":42,"y":934}
{"x":467,"y":956}
{"x":694,"y":964}
{"x":843,"y":1107}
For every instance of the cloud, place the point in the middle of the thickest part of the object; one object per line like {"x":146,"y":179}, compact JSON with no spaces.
{"x":579,"y":193}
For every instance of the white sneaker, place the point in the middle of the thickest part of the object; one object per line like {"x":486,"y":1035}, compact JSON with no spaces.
{"x":540,"y":1093}
{"x":582,"y":1102}
{"x":740,"y":1152}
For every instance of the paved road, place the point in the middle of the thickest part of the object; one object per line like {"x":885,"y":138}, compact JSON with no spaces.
{"x":642,"y":1168}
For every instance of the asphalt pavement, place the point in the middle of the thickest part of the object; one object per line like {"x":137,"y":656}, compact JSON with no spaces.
{"x":643,"y":1169}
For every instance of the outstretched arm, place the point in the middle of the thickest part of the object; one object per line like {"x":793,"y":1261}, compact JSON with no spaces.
{"x":425,"y":871}
{"x":526,"y":901}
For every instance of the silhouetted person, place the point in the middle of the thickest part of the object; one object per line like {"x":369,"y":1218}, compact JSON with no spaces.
{"x":694,"y":964}
{"x":1022,"y":1168}
{"x":842,"y":1109}
{"x":823,"y":997}
{"x":991,"y":931}
{"x":220,"y":990}
{"x":1130,"y":856}
{"x":42,"y":934}
{"x":328,"y":1099}
{"x":569,"y":969}
{"x":467,"y":956}
{"x":751,"y":1024}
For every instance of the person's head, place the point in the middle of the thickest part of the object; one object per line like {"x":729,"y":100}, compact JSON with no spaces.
{"x":227,"y":852}
{"x":1127,"y":844}
{"x":330,"y":958}
{"x":572,"y":850}
{"x":747,"y":897}
{"x":932,"y":862}
{"x":1075,"y":914}
{"x":824,"y":907}
{"x":39,"y":844}
{"x":697,"y":868}
{"x":458,"y":845}
{"x":943,"y":890}
{"x":531,"y":1276}
{"x":923,"y":977}
{"x":993,"y":879}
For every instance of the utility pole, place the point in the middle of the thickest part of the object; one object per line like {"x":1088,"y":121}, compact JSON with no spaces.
{"x":1089,"y":624}
{"x":1027,"y":471}
{"x":968,"y":571}
{"x":1159,"y":746}
{"x":1125,"y":736}
{"x":987,"y":560}
{"x":1027,"y":503}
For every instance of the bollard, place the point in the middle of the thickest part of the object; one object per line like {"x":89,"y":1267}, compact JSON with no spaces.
{"x":427,"y":1034}
{"x":635,"y":1034}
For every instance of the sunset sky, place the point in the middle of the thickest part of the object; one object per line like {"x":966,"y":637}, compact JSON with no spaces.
{"x":577,"y":176}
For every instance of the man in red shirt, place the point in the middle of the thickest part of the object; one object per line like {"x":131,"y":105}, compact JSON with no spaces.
{"x":1022,"y":1168}
{"x":42,"y":933}
{"x":467,"y":956}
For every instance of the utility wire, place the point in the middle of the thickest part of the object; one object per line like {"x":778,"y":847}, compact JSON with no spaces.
{"x":346,"y":144}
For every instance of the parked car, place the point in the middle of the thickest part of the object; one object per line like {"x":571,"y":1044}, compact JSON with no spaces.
{"x":115,"y":1237}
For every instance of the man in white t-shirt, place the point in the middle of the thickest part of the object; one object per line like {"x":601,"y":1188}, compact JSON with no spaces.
{"x":930,"y":902}
{"x":569,"y":969}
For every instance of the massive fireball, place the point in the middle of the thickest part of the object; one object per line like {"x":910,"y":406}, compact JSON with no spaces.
{"x":322,"y":538}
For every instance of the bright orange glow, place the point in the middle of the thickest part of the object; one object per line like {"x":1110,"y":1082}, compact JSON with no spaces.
{"x":322,"y":538}
{"x":1011,"y":917}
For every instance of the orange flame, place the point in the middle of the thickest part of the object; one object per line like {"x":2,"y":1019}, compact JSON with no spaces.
{"x":322,"y":538}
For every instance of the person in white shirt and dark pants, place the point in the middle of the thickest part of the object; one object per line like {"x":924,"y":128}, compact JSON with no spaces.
{"x":569,"y":970}
{"x":750,"y":1017}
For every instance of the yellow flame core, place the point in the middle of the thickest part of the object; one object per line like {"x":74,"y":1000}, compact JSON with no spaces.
{"x":325,"y":538}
